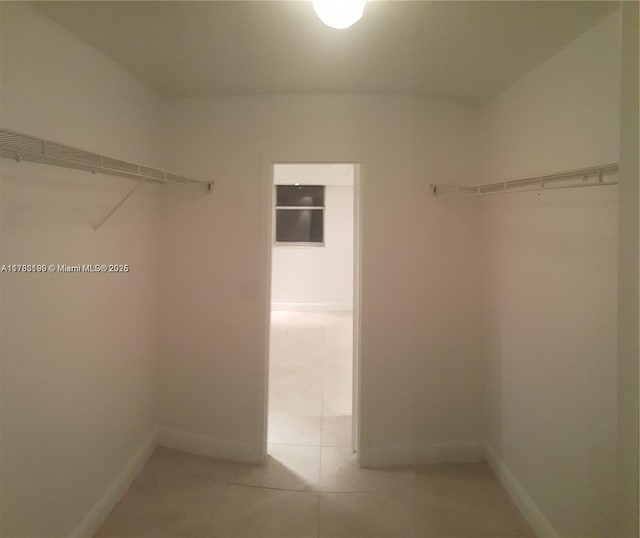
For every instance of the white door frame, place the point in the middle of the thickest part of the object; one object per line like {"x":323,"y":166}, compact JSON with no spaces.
{"x":267,"y":242}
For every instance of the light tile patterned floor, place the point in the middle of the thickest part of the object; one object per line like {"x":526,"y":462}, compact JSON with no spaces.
{"x":311,"y":492}
{"x":311,"y":485}
{"x":310,"y":378}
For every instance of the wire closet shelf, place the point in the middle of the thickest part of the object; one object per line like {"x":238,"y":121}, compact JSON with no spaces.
{"x":594,"y":176}
{"x":23,"y":147}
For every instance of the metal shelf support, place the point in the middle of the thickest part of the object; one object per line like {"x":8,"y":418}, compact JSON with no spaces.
{"x":117,"y":206}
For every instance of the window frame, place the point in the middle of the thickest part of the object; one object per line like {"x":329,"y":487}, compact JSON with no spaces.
{"x":276,"y":207}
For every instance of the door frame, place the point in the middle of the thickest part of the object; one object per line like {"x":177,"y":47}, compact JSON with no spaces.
{"x":266,"y":255}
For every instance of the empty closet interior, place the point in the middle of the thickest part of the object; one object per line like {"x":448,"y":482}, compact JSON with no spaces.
{"x":497,"y":254}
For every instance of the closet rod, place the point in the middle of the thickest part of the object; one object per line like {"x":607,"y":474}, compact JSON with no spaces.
{"x":23,"y":147}
{"x":593,"y":176}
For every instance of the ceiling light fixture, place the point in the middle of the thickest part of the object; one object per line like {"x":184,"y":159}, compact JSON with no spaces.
{"x":339,"y":14}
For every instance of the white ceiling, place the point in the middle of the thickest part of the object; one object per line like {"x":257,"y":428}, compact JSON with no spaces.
{"x":466,"y":51}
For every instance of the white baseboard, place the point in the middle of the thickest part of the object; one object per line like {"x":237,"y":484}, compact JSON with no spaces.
{"x":534,"y":516}
{"x":207,"y":446}
{"x":102,"y":508}
{"x":422,"y":455}
{"x":312,"y":307}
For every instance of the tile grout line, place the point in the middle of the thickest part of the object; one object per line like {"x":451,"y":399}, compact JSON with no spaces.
{"x":318,"y":509}
{"x":313,"y":446}
{"x":324,"y":356}
{"x":324,"y":377}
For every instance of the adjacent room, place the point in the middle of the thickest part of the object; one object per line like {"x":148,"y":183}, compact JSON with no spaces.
{"x":312,"y":269}
{"x":312,"y":281}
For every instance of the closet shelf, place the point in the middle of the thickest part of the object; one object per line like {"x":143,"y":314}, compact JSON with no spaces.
{"x":594,"y":176}
{"x":22,"y":147}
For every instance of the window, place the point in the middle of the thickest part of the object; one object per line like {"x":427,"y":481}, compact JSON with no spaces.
{"x":299,"y":214}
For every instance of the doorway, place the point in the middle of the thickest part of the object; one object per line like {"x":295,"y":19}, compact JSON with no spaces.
{"x":312,"y":396}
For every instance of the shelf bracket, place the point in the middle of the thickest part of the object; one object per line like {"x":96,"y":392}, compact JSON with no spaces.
{"x":119,"y":204}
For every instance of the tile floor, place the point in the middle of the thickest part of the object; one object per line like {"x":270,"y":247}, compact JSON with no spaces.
{"x":310,"y":378}
{"x":311,"y":485}
{"x":310,"y":492}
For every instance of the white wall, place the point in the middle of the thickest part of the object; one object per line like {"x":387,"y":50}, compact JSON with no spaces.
{"x":551,"y":262}
{"x":421,"y":382}
{"x":78,"y":351}
{"x":628,"y":333}
{"x":313,"y":277}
